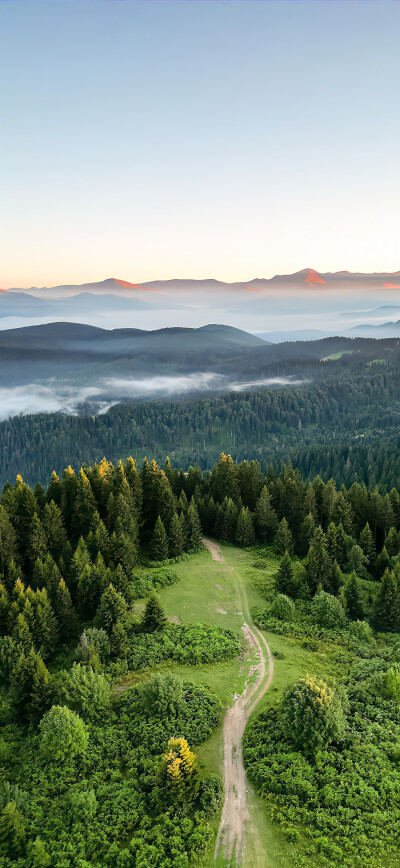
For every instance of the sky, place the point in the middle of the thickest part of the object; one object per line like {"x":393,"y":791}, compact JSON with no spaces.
{"x":234,"y":140}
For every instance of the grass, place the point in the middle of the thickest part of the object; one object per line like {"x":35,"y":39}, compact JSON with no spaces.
{"x":335,"y":356}
{"x":223,"y":594}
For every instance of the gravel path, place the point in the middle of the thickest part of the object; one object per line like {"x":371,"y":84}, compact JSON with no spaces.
{"x":235,"y":819}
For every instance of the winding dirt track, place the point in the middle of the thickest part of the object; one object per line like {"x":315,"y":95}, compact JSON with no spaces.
{"x":235,"y":819}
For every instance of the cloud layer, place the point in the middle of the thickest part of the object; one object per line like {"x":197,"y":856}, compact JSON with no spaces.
{"x":54,"y":398}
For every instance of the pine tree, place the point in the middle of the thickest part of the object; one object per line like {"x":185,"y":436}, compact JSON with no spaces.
{"x":307,"y":530}
{"x":283,"y":538}
{"x":32,"y":688}
{"x":22,"y":635}
{"x":285,"y":580}
{"x":4,"y":609}
{"x":387,"y":603}
{"x":392,"y":542}
{"x":119,"y":641}
{"x":159,"y":542}
{"x":85,"y":508}
{"x":367,"y":543}
{"x":230,"y":513}
{"x":175,"y":542}
{"x":54,"y":490}
{"x":193,"y":528}
{"x":245,"y":529}
{"x":8,"y":543}
{"x":12,"y":831}
{"x":354,"y":604}
{"x":54,"y":529}
{"x":64,"y":611}
{"x":319,"y":566}
{"x":36,"y":547}
{"x":383,"y":563}
{"x":112,"y":608}
{"x":154,"y":617}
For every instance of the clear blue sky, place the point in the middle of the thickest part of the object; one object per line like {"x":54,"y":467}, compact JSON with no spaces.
{"x":149,"y":140}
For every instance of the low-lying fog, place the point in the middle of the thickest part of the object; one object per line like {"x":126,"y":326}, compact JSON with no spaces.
{"x":57,"y":398}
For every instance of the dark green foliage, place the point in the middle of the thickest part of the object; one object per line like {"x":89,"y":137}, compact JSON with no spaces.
{"x":387,"y":605}
{"x":285,"y":579}
{"x":159,"y":542}
{"x":283,"y":538}
{"x":354,"y":602}
{"x":154,"y":617}
{"x":348,"y":797}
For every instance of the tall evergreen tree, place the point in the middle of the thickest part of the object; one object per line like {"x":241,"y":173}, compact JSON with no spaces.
{"x":175,"y":541}
{"x":265,"y":518}
{"x":159,"y":542}
{"x":285,"y":579}
{"x":283,"y":538}
{"x":245,"y":529}
{"x":112,"y":608}
{"x":353,"y":596}
{"x":387,"y":603}
{"x":154,"y":617}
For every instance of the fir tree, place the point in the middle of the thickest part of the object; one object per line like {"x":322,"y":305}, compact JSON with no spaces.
{"x":159,"y":542}
{"x":193,"y":528}
{"x":112,"y":608}
{"x":245,"y":529}
{"x":367,"y":544}
{"x":154,"y":617}
{"x":354,"y":603}
{"x":387,"y":603}
{"x":32,"y":688}
{"x":64,"y":610}
{"x":283,"y":538}
{"x":285,"y":580}
{"x":175,"y":542}
{"x":119,"y":641}
{"x":319,"y":565}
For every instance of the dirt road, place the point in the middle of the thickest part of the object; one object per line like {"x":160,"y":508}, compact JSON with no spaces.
{"x":235,"y":819}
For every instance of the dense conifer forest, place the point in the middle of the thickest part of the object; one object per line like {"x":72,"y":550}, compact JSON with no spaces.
{"x":96,"y":775}
{"x":343,"y":422}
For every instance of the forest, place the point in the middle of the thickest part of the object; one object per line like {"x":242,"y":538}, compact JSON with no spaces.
{"x":100,"y":731}
{"x":342,"y":422}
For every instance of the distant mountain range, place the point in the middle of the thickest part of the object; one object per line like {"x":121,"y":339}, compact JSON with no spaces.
{"x":305,"y":279}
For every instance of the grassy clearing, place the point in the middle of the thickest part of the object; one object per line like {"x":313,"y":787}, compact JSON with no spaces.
{"x":223,"y":594}
{"x":334,"y":356}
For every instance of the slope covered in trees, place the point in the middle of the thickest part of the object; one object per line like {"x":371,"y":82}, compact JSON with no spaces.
{"x":101,"y":777}
{"x":343,"y":422}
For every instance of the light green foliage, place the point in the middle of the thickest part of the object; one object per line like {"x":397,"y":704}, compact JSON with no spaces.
{"x":327,"y":611}
{"x":311,"y":715}
{"x":162,"y":695}
{"x":283,"y":608}
{"x":63,"y":735}
{"x":85,"y":691}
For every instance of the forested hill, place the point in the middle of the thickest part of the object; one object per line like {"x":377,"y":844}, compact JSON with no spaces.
{"x":346,"y":426}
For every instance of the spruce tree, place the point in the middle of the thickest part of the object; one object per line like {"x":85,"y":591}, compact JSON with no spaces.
{"x":245,"y":529}
{"x":159,"y":542}
{"x":119,"y":641}
{"x":175,"y":542}
{"x":64,"y":611}
{"x":387,"y":603}
{"x":283,"y":538}
{"x":285,"y":580}
{"x":32,"y":688}
{"x":154,"y":617}
{"x":367,"y":543}
{"x":112,"y":608}
{"x":319,"y":565}
{"x":193,"y":528}
{"x":354,"y":603}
